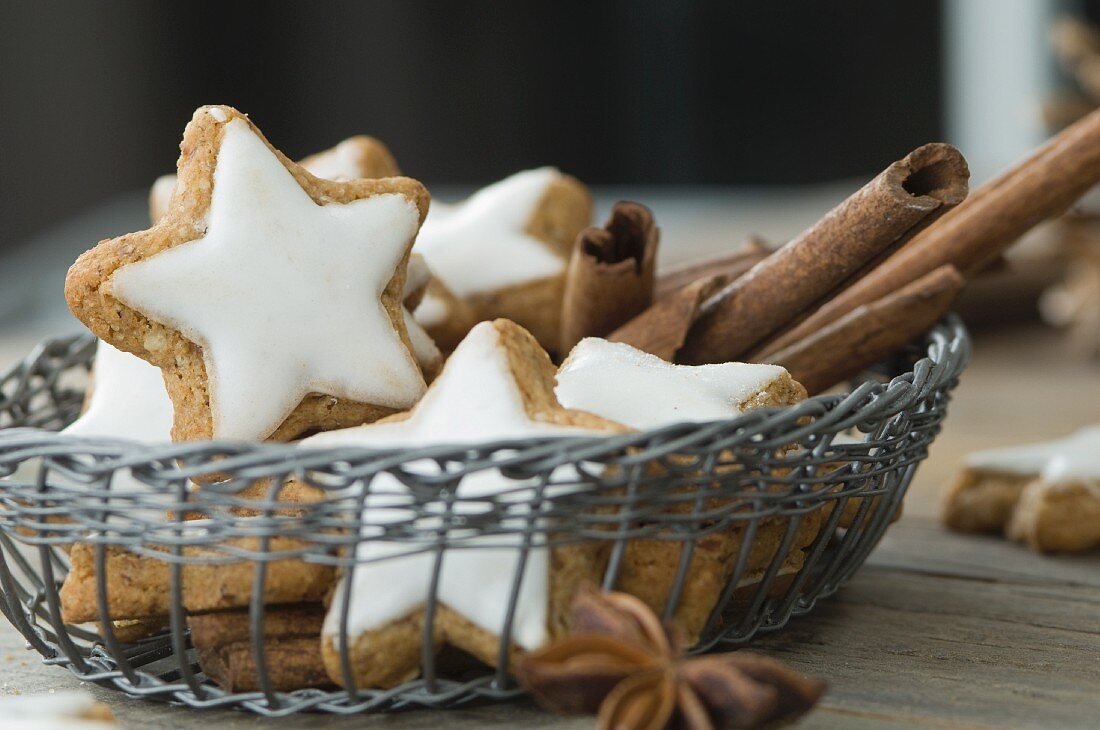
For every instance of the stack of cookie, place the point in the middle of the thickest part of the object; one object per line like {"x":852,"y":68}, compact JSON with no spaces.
{"x":272,"y":300}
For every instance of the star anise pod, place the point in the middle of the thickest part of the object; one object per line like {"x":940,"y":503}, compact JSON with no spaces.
{"x":620,"y":661}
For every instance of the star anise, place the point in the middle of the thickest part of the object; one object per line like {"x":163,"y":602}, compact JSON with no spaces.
{"x":620,"y":661}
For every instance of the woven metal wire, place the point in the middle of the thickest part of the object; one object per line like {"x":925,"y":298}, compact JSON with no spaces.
{"x":838,"y":464}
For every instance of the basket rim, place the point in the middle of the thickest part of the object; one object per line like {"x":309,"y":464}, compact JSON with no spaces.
{"x":947,"y":346}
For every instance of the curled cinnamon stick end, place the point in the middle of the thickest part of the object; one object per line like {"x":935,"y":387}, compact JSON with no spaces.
{"x":610,"y":275}
{"x":870,"y":333}
{"x":787,"y":283}
{"x":732,"y":265}
{"x":972,"y":235}
{"x":662,"y":328}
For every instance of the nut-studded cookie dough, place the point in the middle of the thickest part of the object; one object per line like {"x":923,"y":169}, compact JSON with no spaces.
{"x":270,"y":298}
{"x":138,"y":585}
{"x":498,"y":384}
{"x":503,"y":253}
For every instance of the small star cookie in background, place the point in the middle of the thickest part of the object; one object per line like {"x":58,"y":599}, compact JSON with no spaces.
{"x":1046,"y":494}
{"x":503,"y":252}
{"x":270,"y":298}
{"x":498,"y":384}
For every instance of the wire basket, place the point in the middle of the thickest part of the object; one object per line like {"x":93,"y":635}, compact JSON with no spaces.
{"x":814,"y":485}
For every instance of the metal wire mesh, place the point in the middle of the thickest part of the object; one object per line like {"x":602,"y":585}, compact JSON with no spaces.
{"x":775,"y":509}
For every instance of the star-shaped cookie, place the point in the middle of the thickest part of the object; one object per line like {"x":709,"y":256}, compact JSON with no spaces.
{"x":270,"y":298}
{"x":1046,"y":494}
{"x":607,"y":378}
{"x":356,"y":157}
{"x":498,"y":384}
{"x":504,"y":250}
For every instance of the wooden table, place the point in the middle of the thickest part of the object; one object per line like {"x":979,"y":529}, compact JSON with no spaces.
{"x":937,"y":630}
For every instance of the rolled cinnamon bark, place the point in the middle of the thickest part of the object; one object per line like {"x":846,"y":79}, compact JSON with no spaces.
{"x":972,"y":235}
{"x":610,"y":274}
{"x":732,"y":265}
{"x":777,"y":290}
{"x":870,"y":333}
{"x":661,"y":329}
{"x":292,"y":648}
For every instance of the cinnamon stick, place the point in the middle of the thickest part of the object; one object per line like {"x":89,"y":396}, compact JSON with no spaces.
{"x":662,"y":329}
{"x":610,"y":275}
{"x":778,"y":289}
{"x":972,"y":235}
{"x":871,"y":332}
{"x":732,"y":265}
{"x":292,"y":648}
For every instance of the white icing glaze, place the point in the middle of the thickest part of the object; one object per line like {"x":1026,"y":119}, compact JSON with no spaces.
{"x":475,"y":399}
{"x":624,"y":384}
{"x":342,"y":162}
{"x":427,"y":353}
{"x":160,"y":195}
{"x":216,"y":112}
{"x":417,"y":275}
{"x":282,"y":294}
{"x":1073,"y":460}
{"x":128,"y":400}
{"x":432,"y":310}
{"x":481,"y":244}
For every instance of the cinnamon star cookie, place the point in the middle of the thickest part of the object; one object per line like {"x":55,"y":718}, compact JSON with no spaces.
{"x":271,"y":299}
{"x":498,"y":384}
{"x":520,"y":232}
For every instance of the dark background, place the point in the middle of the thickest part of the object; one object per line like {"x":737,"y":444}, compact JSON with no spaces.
{"x":94,"y":95}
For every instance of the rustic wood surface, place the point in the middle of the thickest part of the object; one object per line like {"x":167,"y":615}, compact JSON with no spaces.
{"x":937,"y":631}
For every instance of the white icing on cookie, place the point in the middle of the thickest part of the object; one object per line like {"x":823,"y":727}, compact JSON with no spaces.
{"x":128,"y":400}
{"x":475,"y":399}
{"x":481,"y":245}
{"x":342,"y":162}
{"x":160,"y":196}
{"x":1074,"y":459}
{"x":282,"y":294}
{"x":432,"y":310}
{"x":624,"y":384}
{"x":427,"y":354}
